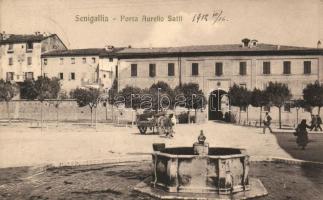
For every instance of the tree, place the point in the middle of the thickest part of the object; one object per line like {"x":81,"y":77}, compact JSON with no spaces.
{"x":240,"y":97}
{"x":278,"y":94}
{"x":7,"y":92}
{"x":132,"y":96}
{"x":162,"y":95}
{"x":193,"y":96}
{"x":259,"y":99}
{"x":298,"y":103}
{"x":41,"y":89}
{"x":313,"y":95}
{"x":60,"y":97}
{"x":28,"y":90}
{"x":86,"y":97}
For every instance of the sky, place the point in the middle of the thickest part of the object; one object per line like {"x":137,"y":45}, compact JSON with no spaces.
{"x":289,"y":22}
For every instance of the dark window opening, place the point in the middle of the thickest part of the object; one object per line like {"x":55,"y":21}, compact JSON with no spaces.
{"x":266,"y":68}
{"x":72,"y":76}
{"x":243,"y":68}
{"x":195,"y":69}
{"x":286,"y":67}
{"x":133,"y":70}
{"x":152,"y":70}
{"x":307,"y":67}
{"x":218,"y":69}
{"x":171,"y":69}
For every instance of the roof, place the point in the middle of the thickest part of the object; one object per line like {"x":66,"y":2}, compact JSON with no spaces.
{"x":226,"y":49}
{"x":82,"y":52}
{"x":12,"y":38}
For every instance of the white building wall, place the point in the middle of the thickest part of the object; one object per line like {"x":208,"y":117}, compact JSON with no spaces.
{"x":85,"y":73}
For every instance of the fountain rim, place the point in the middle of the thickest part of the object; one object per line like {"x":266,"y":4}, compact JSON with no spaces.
{"x":239,"y":155}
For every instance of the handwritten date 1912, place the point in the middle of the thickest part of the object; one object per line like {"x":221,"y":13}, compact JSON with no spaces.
{"x":214,"y":17}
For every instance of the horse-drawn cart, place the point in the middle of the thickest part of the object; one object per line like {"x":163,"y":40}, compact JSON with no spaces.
{"x":151,"y":120}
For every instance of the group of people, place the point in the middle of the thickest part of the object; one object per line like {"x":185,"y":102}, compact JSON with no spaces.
{"x":316,"y":123}
{"x":301,"y":130}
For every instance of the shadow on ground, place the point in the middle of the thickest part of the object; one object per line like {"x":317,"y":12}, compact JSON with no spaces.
{"x":106,"y":181}
{"x":313,"y":151}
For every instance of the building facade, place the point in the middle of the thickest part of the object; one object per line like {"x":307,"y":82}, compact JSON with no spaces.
{"x":221,"y":66}
{"x":218,"y":67}
{"x":81,"y":67}
{"x":20,"y":55}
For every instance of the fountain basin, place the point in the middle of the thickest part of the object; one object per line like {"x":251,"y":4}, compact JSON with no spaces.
{"x":221,"y":170}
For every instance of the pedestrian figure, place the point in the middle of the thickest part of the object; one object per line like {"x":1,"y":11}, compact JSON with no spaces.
{"x":313,"y":123}
{"x":301,"y":134}
{"x":318,"y":122}
{"x":267,"y":123}
{"x":169,"y":126}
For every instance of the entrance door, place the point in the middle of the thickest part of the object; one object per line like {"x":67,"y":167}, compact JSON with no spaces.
{"x":218,"y":104}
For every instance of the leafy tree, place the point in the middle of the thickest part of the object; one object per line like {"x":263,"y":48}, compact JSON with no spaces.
{"x":41,"y":89}
{"x":113,"y":91}
{"x":313,"y":95}
{"x":7,"y":92}
{"x":278,"y":94}
{"x":86,"y":97}
{"x":259,"y":99}
{"x":132,"y":96}
{"x":28,"y":90}
{"x":60,"y":98}
{"x":163,"y":93}
{"x":194,"y":96}
{"x":240,"y":97}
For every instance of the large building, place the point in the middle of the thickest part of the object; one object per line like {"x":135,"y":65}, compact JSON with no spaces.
{"x":20,"y":55}
{"x":252,"y":65}
{"x":217,"y":67}
{"x":81,"y":67}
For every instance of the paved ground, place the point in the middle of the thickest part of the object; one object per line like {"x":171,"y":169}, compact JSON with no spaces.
{"x":314,"y":149}
{"x":23,"y":145}
{"x":107,"y":181}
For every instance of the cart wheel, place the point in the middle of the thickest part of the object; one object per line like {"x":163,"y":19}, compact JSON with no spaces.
{"x":142,"y":129}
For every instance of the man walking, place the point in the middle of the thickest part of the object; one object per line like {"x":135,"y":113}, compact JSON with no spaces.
{"x":267,"y":123}
{"x":318,"y":122}
{"x":313,"y":123}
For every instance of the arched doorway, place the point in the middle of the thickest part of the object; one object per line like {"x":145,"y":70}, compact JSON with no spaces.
{"x":218,"y":104}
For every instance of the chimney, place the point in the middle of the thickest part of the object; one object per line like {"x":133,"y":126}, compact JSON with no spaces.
{"x":245,"y":42}
{"x":109,"y":47}
{"x":4,"y":35}
{"x":319,"y":44}
{"x":129,"y":46}
{"x":253,"y":43}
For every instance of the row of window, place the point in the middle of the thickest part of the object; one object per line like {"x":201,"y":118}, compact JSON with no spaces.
{"x":29,"y":47}
{"x":152,"y":70}
{"x":29,"y":61}
{"x":287,"y":67}
{"x":84,"y":60}
{"x":71,"y":77}
{"x":219,"y":68}
{"x":27,"y":76}
{"x":61,"y":60}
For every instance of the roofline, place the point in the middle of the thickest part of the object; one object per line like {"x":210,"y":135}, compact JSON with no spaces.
{"x":59,"y":39}
{"x":65,"y":55}
{"x":220,"y":53}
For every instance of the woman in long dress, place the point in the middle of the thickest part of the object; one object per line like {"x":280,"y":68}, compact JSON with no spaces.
{"x":301,"y":133}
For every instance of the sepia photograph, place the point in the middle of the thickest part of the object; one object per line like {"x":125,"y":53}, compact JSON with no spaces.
{"x":161,"y":99}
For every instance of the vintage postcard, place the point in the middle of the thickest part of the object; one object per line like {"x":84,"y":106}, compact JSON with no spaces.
{"x":161,"y":99}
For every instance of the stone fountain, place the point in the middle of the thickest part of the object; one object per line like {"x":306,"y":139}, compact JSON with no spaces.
{"x":200,"y":172}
